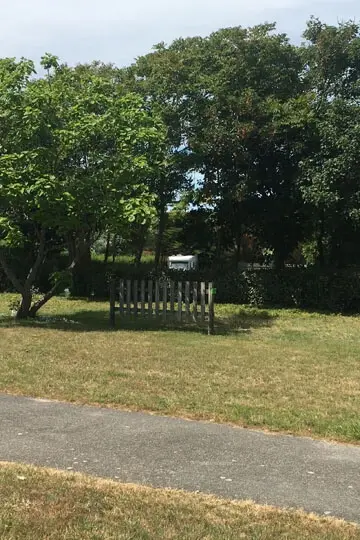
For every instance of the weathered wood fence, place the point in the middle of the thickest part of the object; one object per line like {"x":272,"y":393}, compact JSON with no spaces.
{"x":183,"y":301}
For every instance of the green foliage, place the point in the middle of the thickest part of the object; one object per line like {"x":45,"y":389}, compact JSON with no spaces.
{"x":236,"y":99}
{"x":303,"y":288}
{"x":10,"y":234}
{"x":61,"y":279}
{"x":238,"y":145}
{"x":330,"y":172}
{"x":76,"y":153}
{"x":272,"y":130}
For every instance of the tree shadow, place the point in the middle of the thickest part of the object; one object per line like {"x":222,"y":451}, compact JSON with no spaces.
{"x":246,"y":319}
{"x":242,"y":320}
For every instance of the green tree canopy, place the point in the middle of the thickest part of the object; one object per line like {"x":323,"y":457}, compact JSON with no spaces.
{"x":76,"y":153}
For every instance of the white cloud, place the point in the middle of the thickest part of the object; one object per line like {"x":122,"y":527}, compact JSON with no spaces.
{"x":118,"y":30}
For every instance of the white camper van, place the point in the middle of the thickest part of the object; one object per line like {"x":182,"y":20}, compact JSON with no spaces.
{"x":183,"y":262}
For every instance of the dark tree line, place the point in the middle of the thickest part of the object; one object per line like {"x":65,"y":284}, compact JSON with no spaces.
{"x":272,"y":129}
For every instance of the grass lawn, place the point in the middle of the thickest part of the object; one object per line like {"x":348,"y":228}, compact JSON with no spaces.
{"x":39,"y":504}
{"x":281,"y":370}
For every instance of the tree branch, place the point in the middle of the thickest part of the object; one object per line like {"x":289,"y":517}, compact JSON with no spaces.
{"x":10,"y":274}
{"x":38,"y":261}
{"x":40,"y":303}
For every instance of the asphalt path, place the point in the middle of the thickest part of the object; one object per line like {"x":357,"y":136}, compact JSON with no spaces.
{"x":158,"y":451}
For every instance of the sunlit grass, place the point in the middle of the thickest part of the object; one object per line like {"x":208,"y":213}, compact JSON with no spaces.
{"x":39,"y":504}
{"x":280,"y":370}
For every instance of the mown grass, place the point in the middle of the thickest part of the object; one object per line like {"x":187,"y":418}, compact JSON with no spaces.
{"x":39,"y":504}
{"x":279,"y":370}
{"x":125,"y":259}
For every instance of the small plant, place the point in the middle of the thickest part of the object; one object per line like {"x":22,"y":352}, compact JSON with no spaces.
{"x":14,"y":306}
{"x":67,"y":293}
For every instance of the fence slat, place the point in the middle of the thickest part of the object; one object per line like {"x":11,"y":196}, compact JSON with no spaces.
{"x":135,"y":297}
{"x":187,"y":300}
{"x":142,"y":297}
{"x":195,"y":300}
{"x":157,"y":298}
{"x":211,"y":327}
{"x":172,"y":299}
{"x":112,"y":303}
{"x":203,"y":300}
{"x":128,"y":296}
{"x":179,"y":301}
{"x":165,"y":300}
{"x":150,"y":297}
{"x":121,"y":297}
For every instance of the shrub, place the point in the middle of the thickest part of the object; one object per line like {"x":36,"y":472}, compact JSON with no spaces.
{"x":304,"y":288}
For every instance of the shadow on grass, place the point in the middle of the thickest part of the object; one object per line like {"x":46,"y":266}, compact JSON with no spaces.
{"x":247,"y":319}
{"x":238,"y":321}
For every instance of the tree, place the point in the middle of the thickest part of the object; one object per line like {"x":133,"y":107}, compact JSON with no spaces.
{"x":239,"y":105}
{"x":75,"y":153}
{"x":331,"y":179}
{"x":196,"y":231}
{"x":245,"y":121}
{"x":155,"y":77}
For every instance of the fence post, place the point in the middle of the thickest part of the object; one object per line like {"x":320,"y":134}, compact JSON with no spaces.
{"x":211,"y":327}
{"x":128,"y":296}
{"x":121,"y":297}
{"x":150,"y":297}
{"x":187,"y":300}
{"x":165,"y":300}
{"x":179,"y":301}
{"x":172,"y":299}
{"x":112,"y":303}
{"x":203,"y":301}
{"x":157,"y":298}
{"x":195,"y":296}
{"x":142,"y":298}
{"x":135,"y":297}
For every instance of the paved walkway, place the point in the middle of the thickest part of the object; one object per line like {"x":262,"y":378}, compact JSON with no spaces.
{"x":166,"y":452}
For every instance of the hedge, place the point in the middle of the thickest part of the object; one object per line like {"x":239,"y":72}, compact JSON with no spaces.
{"x":305,"y":288}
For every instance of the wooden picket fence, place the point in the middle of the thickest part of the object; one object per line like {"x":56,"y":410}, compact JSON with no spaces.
{"x":182,"y":301}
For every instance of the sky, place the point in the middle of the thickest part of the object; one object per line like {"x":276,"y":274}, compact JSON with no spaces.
{"x":118,"y":31}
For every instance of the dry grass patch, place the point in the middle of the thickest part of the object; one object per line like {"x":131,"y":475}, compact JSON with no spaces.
{"x":39,"y":504}
{"x":281,"y":370}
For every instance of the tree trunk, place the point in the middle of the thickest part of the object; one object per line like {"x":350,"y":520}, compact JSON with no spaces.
{"x":27,"y":308}
{"x":25,"y":289}
{"x":138,"y":255}
{"x":139,"y":245}
{"x":160,"y":234}
{"x":107,"y":248}
{"x":114,"y":248}
{"x":25,"y":305}
{"x":40,"y":303}
{"x":72,"y":248}
{"x":82,"y":279}
{"x":320,"y":244}
{"x":238,"y":250}
{"x":335,"y":251}
{"x":279,"y":261}
{"x":219,"y":245}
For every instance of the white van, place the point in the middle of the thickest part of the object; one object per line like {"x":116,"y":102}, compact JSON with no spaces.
{"x":183,"y":262}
